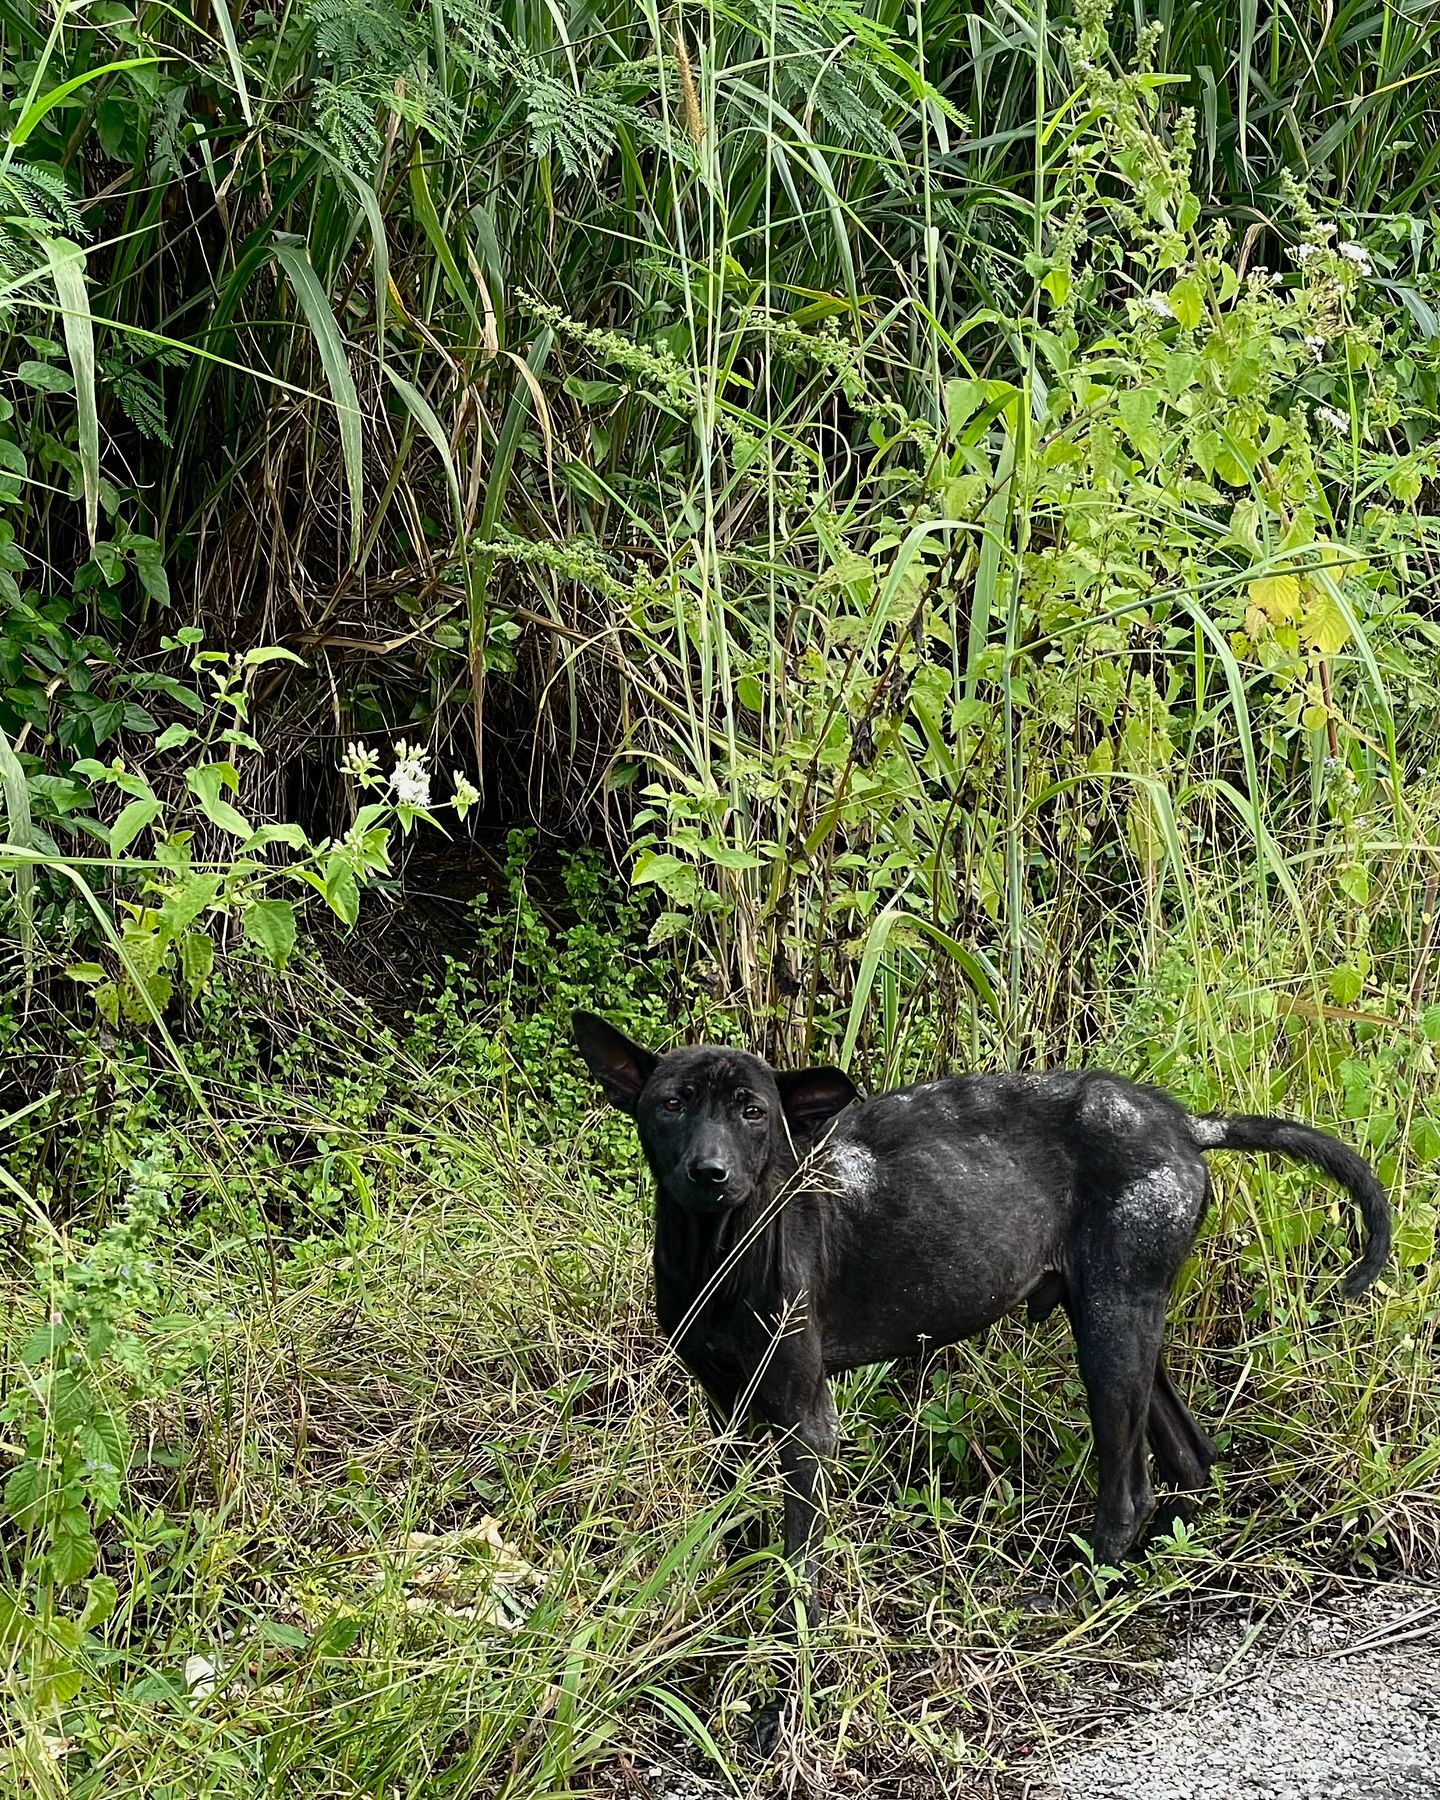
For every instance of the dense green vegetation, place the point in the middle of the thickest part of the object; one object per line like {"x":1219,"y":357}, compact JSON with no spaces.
{"x":898,"y":534}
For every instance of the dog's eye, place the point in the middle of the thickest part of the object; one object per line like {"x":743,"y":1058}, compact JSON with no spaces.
{"x":753,"y":1111}
{"x":673,"y":1103}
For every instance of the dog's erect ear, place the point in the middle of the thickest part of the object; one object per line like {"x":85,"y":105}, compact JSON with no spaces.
{"x":621,"y":1066}
{"x":811,"y":1096}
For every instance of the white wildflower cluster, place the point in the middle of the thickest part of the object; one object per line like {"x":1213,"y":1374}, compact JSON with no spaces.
{"x":359,"y":760}
{"x":1158,"y":304}
{"x":410,"y":778}
{"x":1315,"y":344}
{"x":466,"y":794}
{"x":1338,"y":421}
{"x":1355,"y":254}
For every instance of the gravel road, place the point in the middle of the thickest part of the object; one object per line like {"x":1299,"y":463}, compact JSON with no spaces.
{"x":1342,"y":1704}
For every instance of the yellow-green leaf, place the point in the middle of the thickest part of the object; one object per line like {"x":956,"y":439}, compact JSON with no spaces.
{"x":1277,"y":596}
{"x":1323,"y":627}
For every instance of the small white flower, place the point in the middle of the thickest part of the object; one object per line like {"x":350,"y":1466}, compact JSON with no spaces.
{"x":1305,"y":252}
{"x":410,"y":785}
{"x":200,"y":1673}
{"x":1316,"y":345}
{"x":410,"y":778}
{"x":1338,"y":422}
{"x":1357,"y":254}
{"x":359,"y":759}
{"x":466,"y":793}
{"x":1159,"y":305}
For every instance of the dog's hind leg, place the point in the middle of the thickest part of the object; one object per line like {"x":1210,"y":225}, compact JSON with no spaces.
{"x":1117,"y":1337}
{"x":1184,"y":1455}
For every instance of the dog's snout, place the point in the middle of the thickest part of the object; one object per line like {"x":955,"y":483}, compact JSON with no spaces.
{"x":709,"y":1173}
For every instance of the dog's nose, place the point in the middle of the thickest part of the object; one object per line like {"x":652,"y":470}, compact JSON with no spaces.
{"x":709,"y":1174}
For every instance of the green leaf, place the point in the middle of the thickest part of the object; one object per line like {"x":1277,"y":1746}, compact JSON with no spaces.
{"x":72,"y":1556}
{"x":294,"y":258}
{"x":45,"y":377}
{"x":1187,"y":302}
{"x":197,"y":959}
{"x":276,"y":834}
{"x":132,"y":821}
{"x":37,"y":109}
{"x":1425,"y":1139}
{"x":1346,"y":984}
{"x":270,"y":925}
{"x":1356,"y":883}
{"x":150,"y":567}
{"x":102,"y":1596}
{"x":232,"y":52}
{"x":424,"y":416}
{"x":186,"y":902}
{"x":44,"y":1341}
{"x":269,"y":653}
{"x":206,"y":781}
{"x":1430,"y":1024}
{"x":343,"y":892}
{"x":1324,"y":626}
{"x":173,"y":737}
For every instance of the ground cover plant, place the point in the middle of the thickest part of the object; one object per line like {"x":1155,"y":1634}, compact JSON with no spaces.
{"x":903,"y":535}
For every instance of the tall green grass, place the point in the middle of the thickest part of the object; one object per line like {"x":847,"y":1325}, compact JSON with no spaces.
{"x":828,"y":453}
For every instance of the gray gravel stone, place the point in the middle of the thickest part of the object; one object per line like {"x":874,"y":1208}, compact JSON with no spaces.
{"x":1342,"y":1704}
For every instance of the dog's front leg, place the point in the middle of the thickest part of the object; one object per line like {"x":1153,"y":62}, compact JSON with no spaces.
{"x":807,"y":1443}
{"x":731,"y":1452}
{"x":805,"y":1449}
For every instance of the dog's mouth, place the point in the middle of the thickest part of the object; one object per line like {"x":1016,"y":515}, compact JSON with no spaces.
{"x":710,"y":1198}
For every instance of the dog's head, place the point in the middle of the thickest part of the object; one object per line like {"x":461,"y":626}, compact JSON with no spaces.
{"x":713,"y":1123}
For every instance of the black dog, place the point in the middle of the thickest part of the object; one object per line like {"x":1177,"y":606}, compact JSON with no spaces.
{"x":785,"y":1252}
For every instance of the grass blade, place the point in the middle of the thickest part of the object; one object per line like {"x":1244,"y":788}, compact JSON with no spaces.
{"x":294,"y":258}
{"x":67,"y":269}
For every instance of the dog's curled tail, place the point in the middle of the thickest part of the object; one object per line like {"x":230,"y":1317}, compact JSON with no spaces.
{"x":1254,"y":1131}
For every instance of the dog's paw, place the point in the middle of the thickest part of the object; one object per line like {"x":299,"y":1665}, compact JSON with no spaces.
{"x":765,"y":1728}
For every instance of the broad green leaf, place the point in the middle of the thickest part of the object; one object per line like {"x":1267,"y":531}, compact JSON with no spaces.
{"x":44,"y":1341}
{"x":1425,"y":1139}
{"x":270,"y":925}
{"x":197,"y":959}
{"x":1324,"y":626}
{"x":132,"y":821}
{"x":188,"y":901}
{"x":206,"y":781}
{"x":269,"y":653}
{"x":102,"y":1595}
{"x":72,"y":1556}
{"x":1277,"y":596}
{"x":342,"y":890}
{"x":1187,"y":302}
